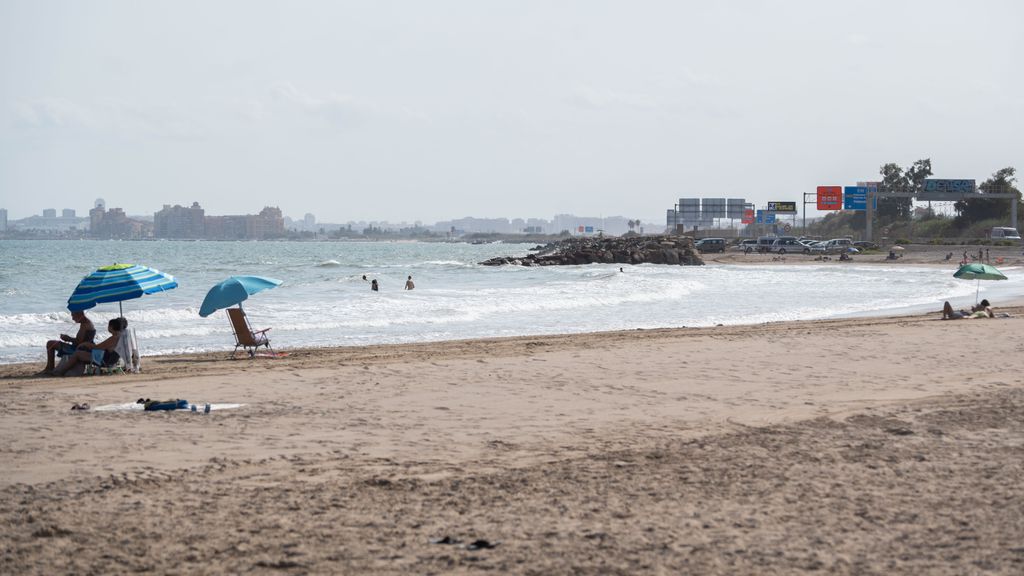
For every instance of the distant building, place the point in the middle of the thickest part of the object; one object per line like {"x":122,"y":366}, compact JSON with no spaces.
{"x":67,"y":213}
{"x":269,"y":223}
{"x":50,"y":213}
{"x":115,"y":224}
{"x":3,"y":219}
{"x":180,"y":222}
{"x":309,"y":221}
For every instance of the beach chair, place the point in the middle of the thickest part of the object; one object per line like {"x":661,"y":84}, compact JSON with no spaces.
{"x":118,"y":367}
{"x":245,"y":336}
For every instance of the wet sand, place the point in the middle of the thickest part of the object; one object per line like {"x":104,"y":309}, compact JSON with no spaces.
{"x":882,"y":445}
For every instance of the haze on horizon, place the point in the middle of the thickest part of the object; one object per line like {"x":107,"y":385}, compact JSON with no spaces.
{"x":431,"y":111}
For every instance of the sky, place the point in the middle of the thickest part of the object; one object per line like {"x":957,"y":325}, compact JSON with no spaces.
{"x":426,"y":111}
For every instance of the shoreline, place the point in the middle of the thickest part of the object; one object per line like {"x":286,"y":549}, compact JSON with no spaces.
{"x":170,"y":365}
{"x":625,"y":452}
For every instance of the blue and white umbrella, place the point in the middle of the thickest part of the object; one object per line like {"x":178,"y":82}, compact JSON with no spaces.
{"x":118,"y":283}
{"x":233,"y":291}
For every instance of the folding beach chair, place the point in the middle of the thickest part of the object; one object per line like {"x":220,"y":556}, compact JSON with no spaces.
{"x":116,"y":367}
{"x":245,"y":336}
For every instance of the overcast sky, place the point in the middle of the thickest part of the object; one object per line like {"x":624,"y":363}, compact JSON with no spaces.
{"x":426,"y":111}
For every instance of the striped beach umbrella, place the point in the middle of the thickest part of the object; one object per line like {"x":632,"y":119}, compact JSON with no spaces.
{"x":118,"y":283}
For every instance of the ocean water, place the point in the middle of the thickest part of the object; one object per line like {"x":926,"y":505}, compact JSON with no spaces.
{"x":325,"y":302}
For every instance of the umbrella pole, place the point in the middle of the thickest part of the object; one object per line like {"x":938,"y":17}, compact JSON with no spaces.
{"x":120,"y":310}
{"x":976,"y":292}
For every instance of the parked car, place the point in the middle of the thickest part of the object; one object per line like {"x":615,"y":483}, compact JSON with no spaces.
{"x":747,"y":245}
{"x":1005,"y":233}
{"x":865,"y":245}
{"x":710,"y":245}
{"x":838,"y":245}
{"x":764,"y":243}
{"x":788,"y":245}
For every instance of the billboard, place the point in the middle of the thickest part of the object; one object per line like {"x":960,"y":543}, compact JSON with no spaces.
{"x":933,"y":187}
{"x":689,"y":209}
{"x":735,"y":207}
{"x":856,"y":198}
{"x":830,"y":197}
{"x":712,"y":208}
{"x":748,"y":216}
{"x":782,"y":207}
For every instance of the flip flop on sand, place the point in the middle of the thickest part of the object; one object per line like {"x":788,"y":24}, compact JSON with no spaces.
{"x":82,"y":406}
{"x":481,"y":545}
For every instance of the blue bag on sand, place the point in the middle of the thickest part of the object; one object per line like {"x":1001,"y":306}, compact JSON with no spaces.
{"x":166,"y":405}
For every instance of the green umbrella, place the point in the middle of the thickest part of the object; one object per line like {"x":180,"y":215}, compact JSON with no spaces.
{"x":978,"y":272}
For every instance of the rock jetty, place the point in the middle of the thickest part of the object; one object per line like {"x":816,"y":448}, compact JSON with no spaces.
{"x":676,"y":250}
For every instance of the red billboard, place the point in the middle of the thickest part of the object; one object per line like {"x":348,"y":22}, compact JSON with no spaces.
{"x":830,"y":197}
{"x":748,"y":217}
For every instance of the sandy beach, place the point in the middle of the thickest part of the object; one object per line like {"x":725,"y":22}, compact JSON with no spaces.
{"x":884,"y":445}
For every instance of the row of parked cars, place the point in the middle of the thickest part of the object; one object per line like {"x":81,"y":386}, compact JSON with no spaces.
{"x":786,"y":245}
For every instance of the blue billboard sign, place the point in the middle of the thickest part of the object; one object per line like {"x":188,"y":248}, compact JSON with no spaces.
{"x":856,"y":198}
{"x":764,"y":217}
{"x":589,"y":229}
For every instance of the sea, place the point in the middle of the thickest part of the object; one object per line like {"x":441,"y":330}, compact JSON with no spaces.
{"x":324,"y":300}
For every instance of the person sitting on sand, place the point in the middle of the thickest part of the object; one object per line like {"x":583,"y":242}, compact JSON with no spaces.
{"x":983,"y":310}
{"x":102,"y":354}
{"x":67,"y":345}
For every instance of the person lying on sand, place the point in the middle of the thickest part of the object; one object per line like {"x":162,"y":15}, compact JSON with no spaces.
{"x":982,"y":310}
{"x":949,"y":314}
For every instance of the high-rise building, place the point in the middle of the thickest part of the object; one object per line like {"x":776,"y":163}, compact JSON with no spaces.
{"x":67,"y":213}
{"x":3,"y":219}
{"x":50,"y":213}
{"x":180,"y":222}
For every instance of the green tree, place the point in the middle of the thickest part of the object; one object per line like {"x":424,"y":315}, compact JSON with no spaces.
{"x":973,"y":210}
{"x":893,"y":180}
{"x":896,"y":179}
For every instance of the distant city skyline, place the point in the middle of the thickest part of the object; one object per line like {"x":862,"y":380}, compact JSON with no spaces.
{"x":305,"y":220}
{"x":429,"y":110}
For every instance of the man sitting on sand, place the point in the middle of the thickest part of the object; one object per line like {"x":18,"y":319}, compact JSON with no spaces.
{"x":67,"y":345}
{"x":101,"y":354}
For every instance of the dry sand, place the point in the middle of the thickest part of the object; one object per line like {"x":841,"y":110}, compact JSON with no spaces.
{"x":889,"y":445}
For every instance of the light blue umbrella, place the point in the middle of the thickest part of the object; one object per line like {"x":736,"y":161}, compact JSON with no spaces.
{"x":118,"y":283}
{"x":233,"y":291}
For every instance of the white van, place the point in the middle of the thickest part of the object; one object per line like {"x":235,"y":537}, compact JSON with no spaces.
{"x":1004,"y":233}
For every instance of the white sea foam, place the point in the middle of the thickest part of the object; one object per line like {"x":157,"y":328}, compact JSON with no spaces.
{"x":454,"y":298}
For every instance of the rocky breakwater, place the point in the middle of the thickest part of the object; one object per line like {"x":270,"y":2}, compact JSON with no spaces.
{"x":675,"y":250}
